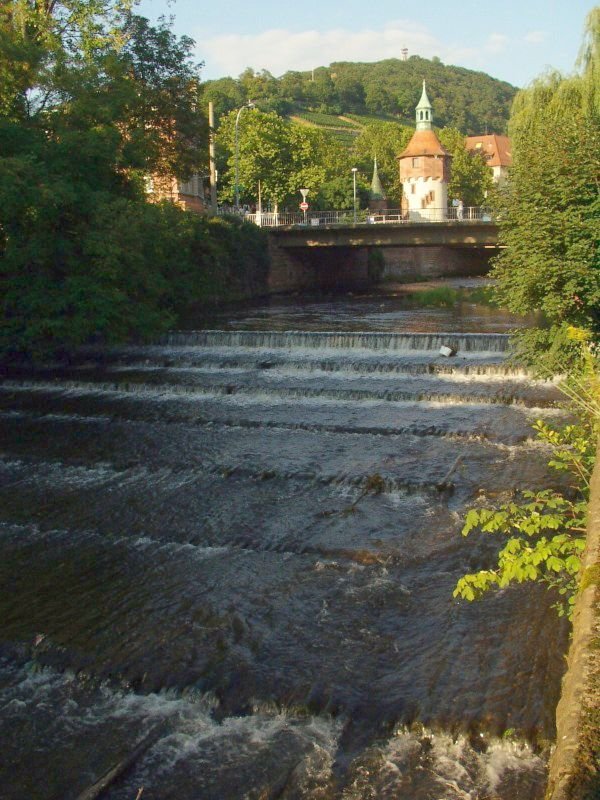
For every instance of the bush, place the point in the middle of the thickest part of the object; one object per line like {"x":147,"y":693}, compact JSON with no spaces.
{"x":83,"y":264}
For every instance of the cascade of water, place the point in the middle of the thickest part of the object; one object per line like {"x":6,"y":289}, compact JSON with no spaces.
{"x":253,"y":537}
{"x":397,"y":342}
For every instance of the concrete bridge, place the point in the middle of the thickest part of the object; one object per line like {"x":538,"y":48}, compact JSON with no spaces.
{"x":336,"y":256}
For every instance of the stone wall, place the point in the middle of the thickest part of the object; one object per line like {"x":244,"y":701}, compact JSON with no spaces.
{"x":423,"y":263}
{"x":311,"y":269}
{"x":575,"y":763}
{"x":314,"y":268}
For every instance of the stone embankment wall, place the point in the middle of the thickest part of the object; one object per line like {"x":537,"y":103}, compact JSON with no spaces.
{"x":422,"y":263}
{"x":311,"y":269}
{"x":575,"y":763}
{"x":314,"y":268}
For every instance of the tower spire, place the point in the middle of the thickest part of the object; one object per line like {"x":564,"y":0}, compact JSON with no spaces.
{"x":424,"y":112}
{"x":376,"y":192}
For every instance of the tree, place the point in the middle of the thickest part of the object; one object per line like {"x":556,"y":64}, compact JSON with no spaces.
{"x":226,"y":94}
{"x":549,"y":225}
{"x":321,"y":93}
{"x":470,"y":177}
{"x":95,"y":98}
{"x":351,"y":93}
{"x":549,"y":210}
{"x":545,"y":530}
{"x":406,"y":101}
{"x":384,"y":141}
{"x":258,"y":86}
{"x":291,"y":86}
{"x":379,"y":100}
{"x":159,"y":82}
{"x":41,"y":42}
{"x":85,"y":63}
{"x":264,"y":154}
{"x":284,"y":157}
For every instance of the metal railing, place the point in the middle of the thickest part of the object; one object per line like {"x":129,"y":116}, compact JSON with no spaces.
{"x":393,"y":216}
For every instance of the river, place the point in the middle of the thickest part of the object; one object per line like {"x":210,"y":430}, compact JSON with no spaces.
{"x":242,"y":543}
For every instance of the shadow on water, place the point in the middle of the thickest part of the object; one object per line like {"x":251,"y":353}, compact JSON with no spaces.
{"x":454,"y":305}
{"x":242,"y":543}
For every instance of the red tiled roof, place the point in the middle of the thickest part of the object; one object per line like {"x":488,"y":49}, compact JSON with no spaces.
{"x":494,"y":146}
{"x":424,"y":143}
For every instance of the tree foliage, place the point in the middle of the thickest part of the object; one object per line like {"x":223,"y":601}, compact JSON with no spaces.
{"x":282,"y":156}
{"x":470,"y":176}
{"x":550,"y":209}
{"x":92,"y":98}
{"x":549,"y":226}
{"x":467,"y":100}
{"x":384,"y":141}
{"x":545,"y":530}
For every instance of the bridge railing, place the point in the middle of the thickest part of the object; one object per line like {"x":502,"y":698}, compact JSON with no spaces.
{"x":393,"y":216}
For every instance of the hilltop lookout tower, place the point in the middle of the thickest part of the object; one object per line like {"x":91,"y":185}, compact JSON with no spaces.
{"x":425,"y":169}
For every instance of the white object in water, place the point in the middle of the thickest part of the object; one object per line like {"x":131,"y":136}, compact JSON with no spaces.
{"x":447,"y":351}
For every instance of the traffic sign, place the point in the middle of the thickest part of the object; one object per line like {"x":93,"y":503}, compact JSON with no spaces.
{"x":303,"y":206}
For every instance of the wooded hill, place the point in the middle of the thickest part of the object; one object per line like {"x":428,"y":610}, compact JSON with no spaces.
{"x":472,"y":102}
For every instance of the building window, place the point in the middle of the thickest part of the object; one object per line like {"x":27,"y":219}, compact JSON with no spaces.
{"x":413,"y":188}
{"x":415,"y":162}
{"x":420,"y":115}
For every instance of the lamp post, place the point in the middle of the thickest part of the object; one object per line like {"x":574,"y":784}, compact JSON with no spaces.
{"x":249,"y":104}
{"x":354,"y":171}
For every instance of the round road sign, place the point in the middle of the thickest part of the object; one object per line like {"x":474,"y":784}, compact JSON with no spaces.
{"x":303,"y":206}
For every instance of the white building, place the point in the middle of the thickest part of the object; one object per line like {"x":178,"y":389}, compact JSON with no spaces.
{"x":425,"y":170}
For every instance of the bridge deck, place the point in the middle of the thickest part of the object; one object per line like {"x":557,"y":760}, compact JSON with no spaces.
{"x":412,"y":234}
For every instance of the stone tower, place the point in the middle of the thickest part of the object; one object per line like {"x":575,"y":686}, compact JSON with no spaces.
{"x":425,"y":170}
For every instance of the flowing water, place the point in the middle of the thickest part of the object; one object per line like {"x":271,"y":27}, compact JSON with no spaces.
{"x":242,"y":544}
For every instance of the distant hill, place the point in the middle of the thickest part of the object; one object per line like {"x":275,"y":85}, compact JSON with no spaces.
{"x":345,"y":96}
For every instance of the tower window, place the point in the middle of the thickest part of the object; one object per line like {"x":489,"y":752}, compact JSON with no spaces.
{"x":427,"y":115}
{"x":413,"y":188}
{"x":420,"y":115}
{"x":415,"y":162}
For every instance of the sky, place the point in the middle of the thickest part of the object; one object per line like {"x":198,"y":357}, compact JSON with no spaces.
{"x":512,"y":40}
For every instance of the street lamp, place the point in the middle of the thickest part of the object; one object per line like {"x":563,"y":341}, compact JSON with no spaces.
{"x":354,"y":171}
{"x":249,"y":104}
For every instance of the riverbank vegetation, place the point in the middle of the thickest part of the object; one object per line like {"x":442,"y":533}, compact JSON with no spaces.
{"x":550,"y":210}
{"x":549,"y":224}
{"x":92,"y":100}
